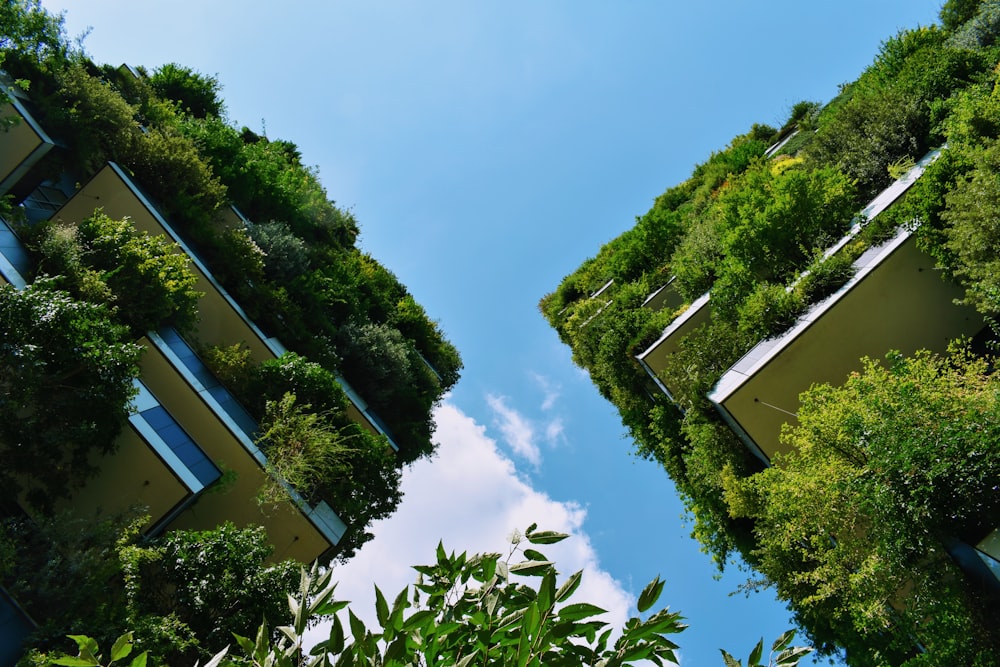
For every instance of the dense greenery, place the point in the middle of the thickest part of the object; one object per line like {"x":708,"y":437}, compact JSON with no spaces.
{"x":180,"y":594}
{"x":294,"y":269}
{"x":464,"y":609}
{"x":744,"y":227}
{"x":66,"y":372}
{"x":885,"y":472}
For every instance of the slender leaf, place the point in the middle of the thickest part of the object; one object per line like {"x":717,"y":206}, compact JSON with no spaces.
{"x":532,"y":567}
{"x":730,"y":660}
{"x":546,"y":537}
{"x":755,"y":654}
{"x":381,"y":608}
{"x":569,"y":586}
{"x":782,"y":642}
{"x":580,"y":610}
{"x":650,"y":594}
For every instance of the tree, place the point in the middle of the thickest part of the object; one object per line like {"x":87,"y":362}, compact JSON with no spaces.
{"x":190,"y":591}
{"x":464,"y":610}
{"x":854,"y":524}
{"x":195,"y":93}
{"x":66,"y":373}
{"x":954,"y":13}
{"x":973,"y":237}
{"x":28,"y":31}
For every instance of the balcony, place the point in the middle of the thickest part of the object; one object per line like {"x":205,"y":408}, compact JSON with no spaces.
{"x":895,"y":301}
{"x":221,"y":321}
{"x":655,"y":358}
{"x":215,"y":419}
{"x":22,"y":144}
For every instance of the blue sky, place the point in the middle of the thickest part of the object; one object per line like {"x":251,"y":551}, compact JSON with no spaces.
{"x":487,"y":149}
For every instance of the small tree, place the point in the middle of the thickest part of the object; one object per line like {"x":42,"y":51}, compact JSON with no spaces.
{"x":66,"y":372}
{"x":195,"y":93}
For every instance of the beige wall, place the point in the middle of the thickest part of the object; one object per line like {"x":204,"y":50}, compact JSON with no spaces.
{"x":291,"y":533}
{"x":219,"y":323}
{"x":132,"y":476}
{"x":903,"y":305}
{"x":657,"y":358}
{"x":17,"y":143}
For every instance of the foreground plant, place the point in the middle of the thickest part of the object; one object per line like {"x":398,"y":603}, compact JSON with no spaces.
{"x":465,"y":610}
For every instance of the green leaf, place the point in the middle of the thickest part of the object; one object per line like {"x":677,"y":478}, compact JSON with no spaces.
{"x":650,"y":594}
{"x":782,"y":642}
{"x":442,"y":557}
{"x":546,"y":537}
{"x":75,"y":661}
{"x":547,"y":591}
{"x":730,"y":660}
{"x":122,"y":647}
{"x":217,"y":658}
{"x":140,"y":660}
{"x":580,"y":610}
{"x":381,"y":608}
{"x":336,"y":640}
{"x":358,"y":628}
{"x":418,"y":620}
{"x":755,"y":654}
{"x":245,"y":644}
{"x":88,"y":647}
{"x":532,"y":568}
{"x":791,"y":656}
{"x":510,"y":619}
{"x":569,"y":586}
{"x":531,"y":554}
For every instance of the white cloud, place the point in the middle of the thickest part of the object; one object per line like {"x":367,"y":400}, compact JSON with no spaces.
{"x":554,"y":430}
{"x":471,"y":497}
{"x":550,"y":391}
{"x":516,"y":429}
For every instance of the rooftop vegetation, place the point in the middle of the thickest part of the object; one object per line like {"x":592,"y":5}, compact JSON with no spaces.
{"x":745,"y":226}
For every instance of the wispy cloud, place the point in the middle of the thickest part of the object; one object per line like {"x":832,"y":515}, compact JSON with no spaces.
{"x":550,"y":391}
{"x":516,"y":429}
{"x":554,"y":430}
{"x":471,"y":498}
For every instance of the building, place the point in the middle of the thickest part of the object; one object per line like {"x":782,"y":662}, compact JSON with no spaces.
{"x":187,"y":429}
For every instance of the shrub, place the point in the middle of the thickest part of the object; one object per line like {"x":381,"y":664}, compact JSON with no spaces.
{"x":285,"y":254}
{"x":196,"y":93}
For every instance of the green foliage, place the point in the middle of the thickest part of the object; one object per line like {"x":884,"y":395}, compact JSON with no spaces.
{"x":206,"y":584}
{"x":63,"y":571}
{"x":366,"y":487}
{"x":145,"y":278}
{"x":389,"y":373}
{"x":980,"y":22}
{"x":303,"y":449}
{"x":28,"y":31}
{"x":196,"y":93}
{"x":972,"y":234}
{"x":89,"y":653}
{"x":462,"y":610}
{"x":786,"y":653}
{"x":881,"y":471}
{"x":66,"y":372}
{"x":94,"y":120}
{"x":954,"y":13}
{"x":285,"y":255}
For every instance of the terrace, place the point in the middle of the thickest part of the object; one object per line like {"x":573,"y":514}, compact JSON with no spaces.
{"x":895,"y":301}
